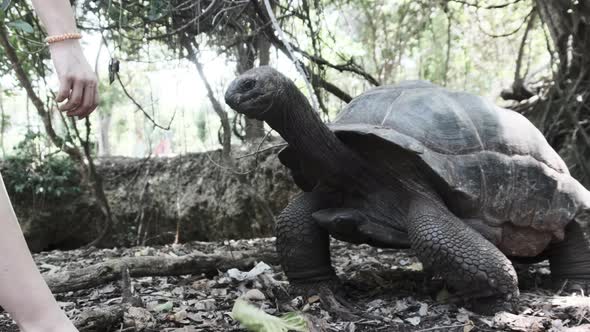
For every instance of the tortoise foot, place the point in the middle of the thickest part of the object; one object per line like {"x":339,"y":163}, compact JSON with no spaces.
{"x":489,"y":306}
{"x":486,"y":302}
{"x":331,"y":297}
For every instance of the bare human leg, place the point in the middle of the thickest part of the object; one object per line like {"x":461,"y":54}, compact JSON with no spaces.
{"x":23,"y":291}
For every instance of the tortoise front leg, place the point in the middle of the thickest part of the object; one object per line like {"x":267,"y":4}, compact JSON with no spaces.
{"x":304,"y":253}
{"x":464,"y":258}
{"x":303,"y":246}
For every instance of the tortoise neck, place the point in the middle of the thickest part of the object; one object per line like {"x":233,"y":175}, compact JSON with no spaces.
{"x":324,"y":153}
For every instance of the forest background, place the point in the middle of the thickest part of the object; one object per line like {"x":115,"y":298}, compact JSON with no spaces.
{"x":163,"y":159}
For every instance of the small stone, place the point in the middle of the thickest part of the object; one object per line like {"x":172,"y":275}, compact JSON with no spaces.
{"x":219,"y":292}
{"x":313,"y":299}
{"x":151,"y":305}
{"x":400,"y":306}
{"x":423,"y":309}
{"x":200,"y":284}
{"x":206,"y":305}
{"x":519,"y":322}
{"x":413,"y":320}
{"x":139,"y":318}
{"x":178,"y":291}
{"x":462,"y":317}
{"x":254,"y":295}
{"x":415,"y":267}
{"x":351,"y":327}
{"x":297,"y":302}
{"x":179,"y":317}
{"x":223,"y":281}
{"x":375,"y":303}
{"x":108,"y":289}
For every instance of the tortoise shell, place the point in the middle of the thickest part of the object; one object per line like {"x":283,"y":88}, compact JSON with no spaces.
{"x":495,"y":165}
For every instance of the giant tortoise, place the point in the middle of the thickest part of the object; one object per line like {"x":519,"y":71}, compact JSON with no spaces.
{"x":467,"y":185}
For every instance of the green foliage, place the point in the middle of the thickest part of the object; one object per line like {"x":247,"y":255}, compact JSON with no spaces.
{"x":26,"y":36}
{"x":50,"y":178}
{"x":5,"y":4}
{"x":257,"y":320}
{"x":21,"y":26}
{"x":157,"y":9}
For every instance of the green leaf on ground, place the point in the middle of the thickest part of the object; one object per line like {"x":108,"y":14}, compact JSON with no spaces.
{"x":257,"y":320}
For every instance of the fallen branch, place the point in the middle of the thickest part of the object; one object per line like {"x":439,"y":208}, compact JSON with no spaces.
{"x":197,"y":263}
{"x":105,"y":318}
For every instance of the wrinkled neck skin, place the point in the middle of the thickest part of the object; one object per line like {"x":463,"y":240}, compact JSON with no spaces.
{"x":325,"y":155}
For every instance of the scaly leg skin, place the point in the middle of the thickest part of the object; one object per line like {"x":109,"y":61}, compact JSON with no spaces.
{"x":464,"y":258}
{"x":304,"y":252}
{"x":570,"y":260}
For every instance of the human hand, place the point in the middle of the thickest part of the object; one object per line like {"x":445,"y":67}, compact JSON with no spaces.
{"x":77,"y":81}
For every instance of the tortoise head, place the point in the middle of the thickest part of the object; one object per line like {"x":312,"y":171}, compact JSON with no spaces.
{"x":258,"y":91}
{"x":265,"y":94}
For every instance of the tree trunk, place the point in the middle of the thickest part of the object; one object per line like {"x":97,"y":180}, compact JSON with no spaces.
{"x":104,"y":127}
{"x":254,"y":129}
{"x":225,"y":125}
{"x":563,"y":114}
{"x":263,"y":50}
{"x":568,"y":24}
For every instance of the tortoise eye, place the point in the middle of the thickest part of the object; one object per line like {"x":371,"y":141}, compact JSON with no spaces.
{"x":247,"y":84}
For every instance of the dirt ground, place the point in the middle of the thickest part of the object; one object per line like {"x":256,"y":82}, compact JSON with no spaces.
{"x":388,"y":284}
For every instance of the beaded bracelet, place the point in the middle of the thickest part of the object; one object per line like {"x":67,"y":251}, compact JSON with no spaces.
{"x":65,"y":36}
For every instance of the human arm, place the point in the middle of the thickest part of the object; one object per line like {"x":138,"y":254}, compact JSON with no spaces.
{"x":78,"y":82}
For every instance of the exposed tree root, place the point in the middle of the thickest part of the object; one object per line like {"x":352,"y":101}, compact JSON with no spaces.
{"x":197,"y":263}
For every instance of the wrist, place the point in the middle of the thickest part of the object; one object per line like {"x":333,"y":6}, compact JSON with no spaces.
{"x":65,"y":45}
{"x":61,"y":37}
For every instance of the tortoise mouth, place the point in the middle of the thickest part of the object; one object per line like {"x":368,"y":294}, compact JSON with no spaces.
{"x":257,"y":106}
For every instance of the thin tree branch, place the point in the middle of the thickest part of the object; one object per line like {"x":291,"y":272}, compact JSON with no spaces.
{"x":269,"y":33}
{"x":506,"y":34}
{"x":476,"y":5}
{"x":347,"y":67}
{"x":138,"y":105}
{"x":289,"y":48}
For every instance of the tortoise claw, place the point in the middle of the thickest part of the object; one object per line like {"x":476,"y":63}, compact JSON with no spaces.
{"x":489,"y":306}
{"x":331,"y":298}
{"x":337,"y":305}
{"x":486,"y":302}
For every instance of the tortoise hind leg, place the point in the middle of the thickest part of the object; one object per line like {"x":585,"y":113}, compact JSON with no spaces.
{"x":464,"y":258}
{"x":570,"y":259}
